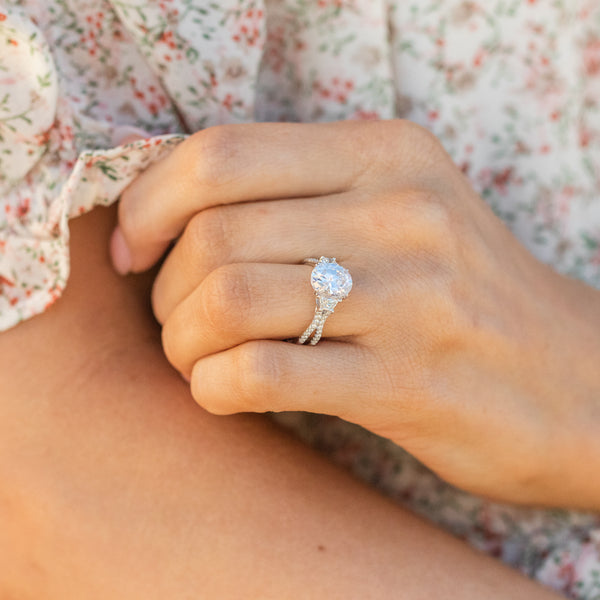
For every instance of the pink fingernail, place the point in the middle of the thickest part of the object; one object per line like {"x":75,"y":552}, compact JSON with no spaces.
{"x":119,"y":252}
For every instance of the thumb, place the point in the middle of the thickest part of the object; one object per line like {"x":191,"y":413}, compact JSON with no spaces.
{"x":119,"y":252}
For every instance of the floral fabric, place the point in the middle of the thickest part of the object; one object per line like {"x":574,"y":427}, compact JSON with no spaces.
{"x":510,"y":87}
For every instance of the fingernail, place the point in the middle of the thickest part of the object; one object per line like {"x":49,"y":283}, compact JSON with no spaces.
{"x":119,"y":252}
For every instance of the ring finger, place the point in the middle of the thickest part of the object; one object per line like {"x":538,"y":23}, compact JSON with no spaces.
{"x":240,"y":302}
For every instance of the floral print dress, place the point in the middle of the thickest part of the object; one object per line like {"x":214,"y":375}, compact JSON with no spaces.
{"x":510,"y":87}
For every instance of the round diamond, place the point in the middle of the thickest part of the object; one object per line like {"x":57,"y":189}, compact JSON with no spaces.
{"x":331,"y":280}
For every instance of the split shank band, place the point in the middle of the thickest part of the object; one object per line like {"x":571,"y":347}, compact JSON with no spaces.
{"x":331,"y":283}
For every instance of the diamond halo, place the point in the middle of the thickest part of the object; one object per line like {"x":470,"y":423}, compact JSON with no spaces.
{"x":331,"y":283}
{"x":330,"y":280}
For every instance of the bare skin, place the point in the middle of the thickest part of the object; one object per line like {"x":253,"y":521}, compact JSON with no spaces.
{"x":479,"y":359}
{"x":116,"y":484}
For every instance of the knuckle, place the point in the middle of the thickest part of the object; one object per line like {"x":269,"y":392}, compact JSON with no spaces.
{"x":414,"y":135}
{"x":400,"y":127}
{"x":435,"y":214}
{"x":170,"y":335}
{"x":215,"y":150}
{"x":211,"y":404}
{"x":380,"y":217}
{"x":395,"y":133}
{"x":259,"y":374}
{"x":449,"y":321}
{"x":397,"y":218}
{"x":157,"y":301}
{"x":411,"y":145}
{"x":445,"y":315}
{"x":432,"y":222}
{"x":207,"y":238}
{"x":226,"y":298}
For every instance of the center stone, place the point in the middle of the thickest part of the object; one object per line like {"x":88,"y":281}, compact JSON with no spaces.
{"x":331,"y":280}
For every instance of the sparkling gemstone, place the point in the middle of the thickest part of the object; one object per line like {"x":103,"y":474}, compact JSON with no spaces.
{"x":324,"y":303}
{"x":331,"y":280}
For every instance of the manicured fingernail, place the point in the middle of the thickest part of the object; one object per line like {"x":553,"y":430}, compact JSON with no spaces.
{"x":119,"y":252}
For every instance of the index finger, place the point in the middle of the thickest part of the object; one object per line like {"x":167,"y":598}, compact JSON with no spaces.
{"x":227,"y":164}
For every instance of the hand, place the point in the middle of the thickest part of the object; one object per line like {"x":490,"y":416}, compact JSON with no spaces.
{"x":454,"y":341}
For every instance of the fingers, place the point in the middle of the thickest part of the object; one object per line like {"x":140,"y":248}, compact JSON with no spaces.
{"x":268,"y":375}
{"x":243,"y":302}
{"x":282,"y":231}
{"x":236,"y":163}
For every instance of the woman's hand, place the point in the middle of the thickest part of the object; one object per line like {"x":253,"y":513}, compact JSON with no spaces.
{"x":454,"y":341}
{"x":115,"y":485}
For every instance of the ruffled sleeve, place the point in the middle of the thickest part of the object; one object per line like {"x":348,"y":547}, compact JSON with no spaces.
{"x":45,"y":178}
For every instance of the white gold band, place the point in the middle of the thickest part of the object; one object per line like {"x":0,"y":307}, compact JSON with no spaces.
{"x":331,"y":283}
{"x":316,"y":326}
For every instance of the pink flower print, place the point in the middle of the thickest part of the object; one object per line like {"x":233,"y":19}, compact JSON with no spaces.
{"x":587,"y":561}
{"x":247,"y":27}
{"x":465,"y":11}
{"x":171,"y":45}
{"x":168,"y":10}
{"x":89,"y":38}
{"x":366,"y":115}
{"x":335,"y":3}
{"x":479,"y":57}
{"x":42,"y":138}
{"x":591,"y":57}
{"x":564,"y":202}
{"x":5,"y":282}
{"x":558,"y":572}
{"x":585,"y":137}
{"x":278,"y":41}
{"x":274,"y":48}
{"x":502,"y":179}
{"x":229,"y":102}
{"x":54,"y":296}
{"x":337,"y":89}
{"x":23,"y":208}
{"x":150,"y":97}
{"x":167,"y":37}
{"x":65,"y":132}
{"x":567,"y":575}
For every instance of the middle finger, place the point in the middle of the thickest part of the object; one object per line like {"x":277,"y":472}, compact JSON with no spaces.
{"x":281,"y":231}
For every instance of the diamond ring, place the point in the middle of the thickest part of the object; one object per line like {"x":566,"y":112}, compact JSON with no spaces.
{"x":332,"y":283}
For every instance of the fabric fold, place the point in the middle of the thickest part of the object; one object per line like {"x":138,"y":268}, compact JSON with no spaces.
{"x":325,"y":63}
{"x":206,"y":55}
{"x":34,"y":263}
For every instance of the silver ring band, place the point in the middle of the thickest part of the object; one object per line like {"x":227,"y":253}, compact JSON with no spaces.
{"x":331,"y":283}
